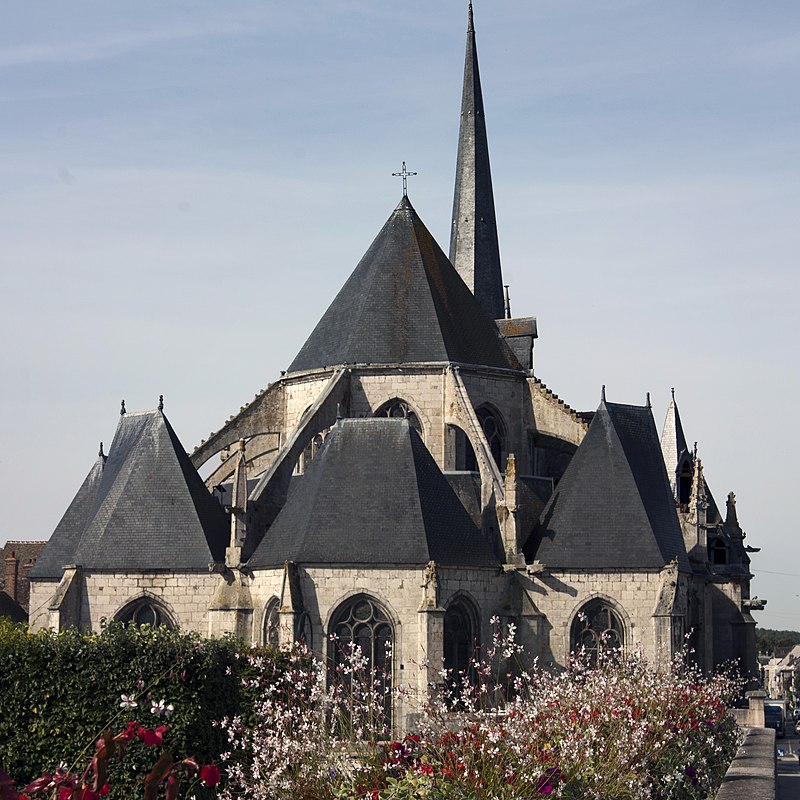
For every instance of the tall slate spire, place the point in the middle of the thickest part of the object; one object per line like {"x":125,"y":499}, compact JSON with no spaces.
{"x":474,"y":250}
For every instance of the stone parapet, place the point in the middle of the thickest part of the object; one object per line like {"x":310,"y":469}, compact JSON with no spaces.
{"x":752,"y":773}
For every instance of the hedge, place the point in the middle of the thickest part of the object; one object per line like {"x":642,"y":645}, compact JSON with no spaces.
{"x":59,"y":691}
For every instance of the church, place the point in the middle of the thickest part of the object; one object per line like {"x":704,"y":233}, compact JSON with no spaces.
{"x":406,"y":481}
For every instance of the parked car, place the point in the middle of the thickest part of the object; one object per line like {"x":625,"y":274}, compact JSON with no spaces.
{"x":775,"y":717}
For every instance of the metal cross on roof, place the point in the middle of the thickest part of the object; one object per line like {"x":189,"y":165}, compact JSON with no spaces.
{"x":404,"y":174}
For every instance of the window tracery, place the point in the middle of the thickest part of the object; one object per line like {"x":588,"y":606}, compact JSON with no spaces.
{"x":597,"y":628}
{"x":145,"y":611}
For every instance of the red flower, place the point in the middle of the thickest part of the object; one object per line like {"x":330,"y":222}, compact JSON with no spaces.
{"x":209,"y":775}
{"x":375,"y":793}
{"x":126,"y":735}
{"x":152,"y":738}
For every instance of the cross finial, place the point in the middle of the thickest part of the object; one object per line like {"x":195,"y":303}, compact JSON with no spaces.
{"x":161,"y":402}
{"x":404,"y":174}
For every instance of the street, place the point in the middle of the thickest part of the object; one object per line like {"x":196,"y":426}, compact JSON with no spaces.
{"x":788,"y":768}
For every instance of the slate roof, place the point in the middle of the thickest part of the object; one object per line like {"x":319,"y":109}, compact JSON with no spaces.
{"x":613,"y":508}
{"x":10,"y":608}
{"x":144,"y":508}
{"x":404,"y":302}
{"x":373,"y":495}
{"x":60,"y":549}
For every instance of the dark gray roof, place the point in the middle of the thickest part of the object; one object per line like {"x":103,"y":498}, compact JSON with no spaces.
{"x":145,"y":508}
{"x":10,"y":608}
{"x":373,"y":495}
{"x":404,"y":302}
{"x":613,"y":508}
{"x":474,"y":249}
{"x":60,"y":549}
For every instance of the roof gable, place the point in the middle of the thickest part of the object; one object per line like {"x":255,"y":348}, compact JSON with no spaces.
{"x":373,"y":495}
{"x":404,"y":302}
{"x":613,"y":508}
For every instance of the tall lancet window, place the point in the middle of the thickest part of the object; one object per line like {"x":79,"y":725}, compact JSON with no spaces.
{"x":494,"y":430}
{"x":460,"y":639}
{"x":361,"y":629}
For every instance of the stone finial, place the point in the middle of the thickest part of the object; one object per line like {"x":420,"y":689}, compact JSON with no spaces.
{"x":694,"y":451}
{"x":698,"y":501}
{"x":648,"y":403}
{"x":603,"y":394}
{"x":339,"y":412}
{"x":507,"y":301}
{"x":672,"y":390}
{"x":122,"y":409}
{"x":161,"y":402}
{"x":471,"y":24}
{"x":242,"y":445}
{"x":101,"y":454}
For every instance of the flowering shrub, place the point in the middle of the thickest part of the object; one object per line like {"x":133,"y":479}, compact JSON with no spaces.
{"x":65,"y":784}
{"x":62,"y":690}
{"x":614,"y":728}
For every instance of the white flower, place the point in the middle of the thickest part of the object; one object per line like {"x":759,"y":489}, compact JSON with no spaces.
{"x":161,"y":708}
{"x":127,"y":701}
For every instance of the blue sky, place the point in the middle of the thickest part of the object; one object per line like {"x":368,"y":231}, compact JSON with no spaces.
{"x":184,"y":187}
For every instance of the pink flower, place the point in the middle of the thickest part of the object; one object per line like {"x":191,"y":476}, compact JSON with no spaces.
{"x":209,"y":775}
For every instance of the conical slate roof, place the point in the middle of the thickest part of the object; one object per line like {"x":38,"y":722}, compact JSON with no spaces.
{"x":146,"y":508}
{"x":373,"y":495}
{"x":404,"y":302}
{"x":613,"y":508}
{"x":474,"y":248}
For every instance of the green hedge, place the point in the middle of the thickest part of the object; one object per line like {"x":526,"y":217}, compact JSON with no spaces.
{"x":58,"y":691}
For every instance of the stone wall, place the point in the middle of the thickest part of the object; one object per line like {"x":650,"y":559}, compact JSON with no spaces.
{"x":634,"y":594}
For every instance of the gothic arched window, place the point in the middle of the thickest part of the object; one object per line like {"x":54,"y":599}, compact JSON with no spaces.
{"x":270,"y":634}
{"x":597,"y":627}
{"x":362,"y":623}
{"x":460,"y":639}
{"x":145,"y":611}
{"x":400,"y":409}
{"x":494,"y":431}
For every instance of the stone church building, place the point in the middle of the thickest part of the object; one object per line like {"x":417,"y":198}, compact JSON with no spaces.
{"x":406,"y":480}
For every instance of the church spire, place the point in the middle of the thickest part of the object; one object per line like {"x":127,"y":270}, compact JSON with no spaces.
{"x":673,"y":442}
{"x":474,"y":250}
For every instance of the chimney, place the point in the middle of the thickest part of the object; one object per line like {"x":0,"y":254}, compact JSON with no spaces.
{"x":12,"y":566}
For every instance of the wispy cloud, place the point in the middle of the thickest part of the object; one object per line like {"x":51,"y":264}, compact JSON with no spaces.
{"x":107,"y":47}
